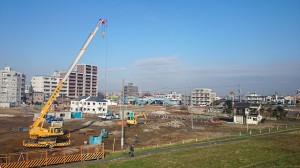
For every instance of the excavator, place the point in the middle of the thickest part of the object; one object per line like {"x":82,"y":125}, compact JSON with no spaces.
{"x":135,"y":119}
{"x":54,"y":135}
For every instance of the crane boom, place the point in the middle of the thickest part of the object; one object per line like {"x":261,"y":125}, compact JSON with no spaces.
{"x":36,"y":129}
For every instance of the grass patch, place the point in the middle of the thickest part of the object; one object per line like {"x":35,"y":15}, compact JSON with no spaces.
{"x":280,"y":150}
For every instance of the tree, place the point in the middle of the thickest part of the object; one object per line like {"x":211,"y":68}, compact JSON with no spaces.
{"x":229,"y":107}
{"x":279,"y":113}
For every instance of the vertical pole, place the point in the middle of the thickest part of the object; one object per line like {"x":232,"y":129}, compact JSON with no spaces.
{"x":81,"y":153}
{"x":240,"y":97}
{"x":114,"y":144}
{"x":46,"y":158}
{"x":27,"y":164}
{"x":103,"y":151}
{"x":64,"y":157}
{"x":122,"y":138}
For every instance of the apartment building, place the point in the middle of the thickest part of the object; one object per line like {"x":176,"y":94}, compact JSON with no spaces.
{"x":47,"y":84}
{"x":254,"y":98}
{"x":131,"y":91}
{"x":83,"y":81}
{"x":12,"y":87}
{"x":202,"y":97}
{"x":174,"y":97}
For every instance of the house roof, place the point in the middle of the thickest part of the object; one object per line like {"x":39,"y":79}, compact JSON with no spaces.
{"x":242,"y":105}
{"x":81,"y":97}
{"x":246,"y":105}
{"x":96,"y":99}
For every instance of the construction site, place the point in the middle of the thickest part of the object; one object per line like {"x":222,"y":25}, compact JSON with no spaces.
{"x":163,"y":126}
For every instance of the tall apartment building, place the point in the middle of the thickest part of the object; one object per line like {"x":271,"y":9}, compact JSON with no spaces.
{"x":81,"y":82}
{"x":202,"y":97}
{"x":131,"y":90}
{"x":12,"y":87}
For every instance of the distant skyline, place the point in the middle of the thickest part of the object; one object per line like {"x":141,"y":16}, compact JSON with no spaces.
{"x":160,"y":45}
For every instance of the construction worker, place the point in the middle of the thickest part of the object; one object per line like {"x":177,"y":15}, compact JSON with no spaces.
{"x":131,"y":153}
{"x":136,"y":139}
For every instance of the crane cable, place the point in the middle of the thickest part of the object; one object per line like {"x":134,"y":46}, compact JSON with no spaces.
{"x":104,"y":28}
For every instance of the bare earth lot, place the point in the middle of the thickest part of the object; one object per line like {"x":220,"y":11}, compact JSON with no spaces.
{"x":160,"y":129}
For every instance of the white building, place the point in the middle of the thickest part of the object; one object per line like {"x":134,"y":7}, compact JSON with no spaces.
{"x":12,"y":87}
{"x":254,"y":98}
{"x":89,"y":104}
{"x":174,"y":97}
{"x":247,"y":113}
{"x":47,"y":84}
{"x":202,"y":97}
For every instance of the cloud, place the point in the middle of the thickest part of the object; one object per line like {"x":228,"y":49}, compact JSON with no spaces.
{"x":161,"y":65}
{"x":120,"y":69}
{"x":172,"y":71}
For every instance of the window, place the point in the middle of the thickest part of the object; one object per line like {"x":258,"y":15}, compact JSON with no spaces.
{"x":62,"y":115}
{"x":93,"y":109}
{"x":94,"y":103}
{"x":254,"y":119}
{"x":88,"y":103}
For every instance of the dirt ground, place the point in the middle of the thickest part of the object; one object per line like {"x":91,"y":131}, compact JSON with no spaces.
{"x":160,"y":129}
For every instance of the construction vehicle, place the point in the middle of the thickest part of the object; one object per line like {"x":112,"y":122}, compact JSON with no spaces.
{"x":135,"y":119}
{"x":52,"y":118}
{"x":54,"y":136}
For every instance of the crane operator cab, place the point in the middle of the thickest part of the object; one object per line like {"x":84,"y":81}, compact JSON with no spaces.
{"x":56,"y":130}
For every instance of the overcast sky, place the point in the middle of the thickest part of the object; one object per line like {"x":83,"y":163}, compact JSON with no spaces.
{"x":160,"y":45}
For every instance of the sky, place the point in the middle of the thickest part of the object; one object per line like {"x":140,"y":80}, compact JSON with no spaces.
{"x":159,"y":46}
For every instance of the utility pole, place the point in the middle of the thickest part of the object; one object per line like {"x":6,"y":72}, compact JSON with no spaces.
{"x":191,"y":108}
{"x":122,"y":138}
{"x":240,"y":97}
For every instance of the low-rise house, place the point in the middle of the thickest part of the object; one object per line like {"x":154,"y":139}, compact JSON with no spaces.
{"x":247,"y":113}
{"x":89,"y":104}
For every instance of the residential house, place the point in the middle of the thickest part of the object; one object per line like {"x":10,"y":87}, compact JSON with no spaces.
{"x":247,"y":113}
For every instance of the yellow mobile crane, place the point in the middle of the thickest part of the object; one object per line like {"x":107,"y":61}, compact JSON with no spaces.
{"x":54,"y":136}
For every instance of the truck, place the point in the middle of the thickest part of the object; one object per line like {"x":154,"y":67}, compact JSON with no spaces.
{"x":54,"y":135}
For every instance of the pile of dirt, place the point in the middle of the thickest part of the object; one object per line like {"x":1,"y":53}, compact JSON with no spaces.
{"x":174,"y":124}
{"x":115,"y":133}
{"x":6,"y":115}
{"x":99,"y":123}
{"x":160,"y":112}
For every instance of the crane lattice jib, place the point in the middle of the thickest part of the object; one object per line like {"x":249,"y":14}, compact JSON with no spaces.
{"x":61,"y":83}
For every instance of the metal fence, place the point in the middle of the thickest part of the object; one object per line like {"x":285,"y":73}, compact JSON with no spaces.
{"x":52,"y":156}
